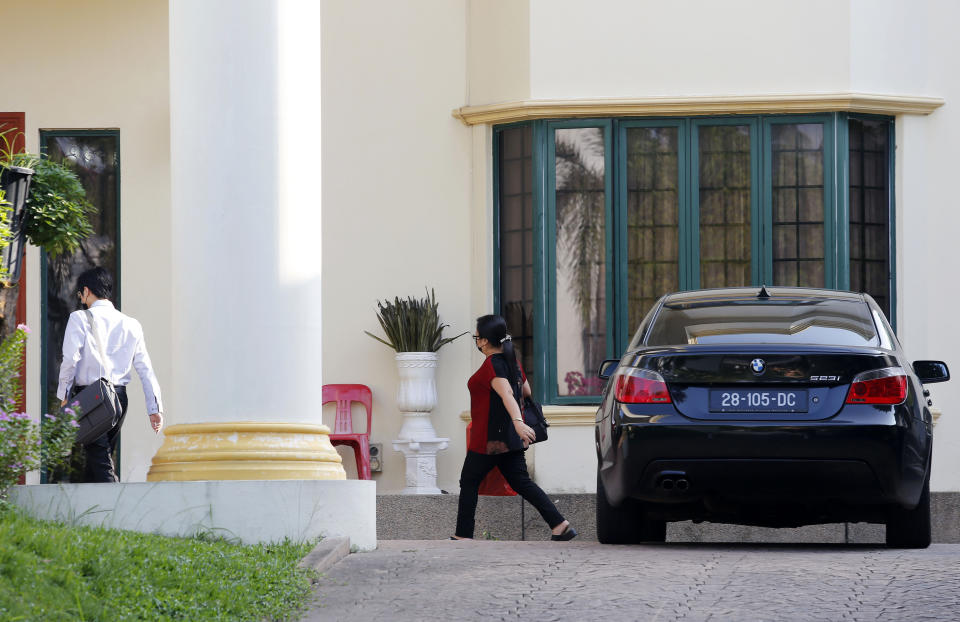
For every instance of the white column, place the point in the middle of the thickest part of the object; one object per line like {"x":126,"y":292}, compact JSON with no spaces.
{"x":245,"y":151}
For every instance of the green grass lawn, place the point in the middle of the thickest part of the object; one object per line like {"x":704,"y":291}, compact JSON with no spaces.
{"x":50,"y":572}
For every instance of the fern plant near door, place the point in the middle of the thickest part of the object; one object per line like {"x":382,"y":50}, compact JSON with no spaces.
{"x":414,"y":331}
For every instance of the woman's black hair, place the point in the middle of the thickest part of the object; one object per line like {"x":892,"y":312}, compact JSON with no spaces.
{"x":493,"y":328}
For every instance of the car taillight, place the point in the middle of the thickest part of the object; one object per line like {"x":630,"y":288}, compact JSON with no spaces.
{"x":880,"y":386}
{"x":640,"y":386}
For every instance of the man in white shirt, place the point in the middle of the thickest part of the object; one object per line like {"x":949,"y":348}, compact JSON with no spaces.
{"x":125,"y":350}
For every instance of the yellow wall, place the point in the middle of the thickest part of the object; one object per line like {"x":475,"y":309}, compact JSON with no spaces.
{"x":498,"y":50}
{"x":407,"y":189}
{"x":396,"y":202}
{"x":103,"y":64}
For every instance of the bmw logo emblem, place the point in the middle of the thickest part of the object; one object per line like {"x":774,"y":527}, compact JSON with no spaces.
{"x":757,"y":365}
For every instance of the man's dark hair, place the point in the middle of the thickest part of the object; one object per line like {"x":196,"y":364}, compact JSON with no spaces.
{"x":98,"y":281}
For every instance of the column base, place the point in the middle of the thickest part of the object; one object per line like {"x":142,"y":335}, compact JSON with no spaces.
{"x":421,"y":464}
{"x":246,"y":450}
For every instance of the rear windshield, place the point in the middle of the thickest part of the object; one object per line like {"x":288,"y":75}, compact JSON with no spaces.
{"x":832,"y":322}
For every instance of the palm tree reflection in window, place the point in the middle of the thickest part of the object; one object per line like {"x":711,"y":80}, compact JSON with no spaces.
{"x":581,"y":307}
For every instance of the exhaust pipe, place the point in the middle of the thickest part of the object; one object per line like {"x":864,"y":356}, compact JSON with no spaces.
{"x":673,"y":481}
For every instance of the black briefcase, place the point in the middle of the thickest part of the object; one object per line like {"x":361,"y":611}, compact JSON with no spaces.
{"x":99,"y":409}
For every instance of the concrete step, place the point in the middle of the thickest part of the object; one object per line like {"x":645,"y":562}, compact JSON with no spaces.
{"x":433,"y":517}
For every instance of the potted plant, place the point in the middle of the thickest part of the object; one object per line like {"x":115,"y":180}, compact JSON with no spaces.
{"x":414,"y":331}
{"x":55,"y":214}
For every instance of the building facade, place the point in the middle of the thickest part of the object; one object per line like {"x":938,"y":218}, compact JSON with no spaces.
{"x":281,"y":166}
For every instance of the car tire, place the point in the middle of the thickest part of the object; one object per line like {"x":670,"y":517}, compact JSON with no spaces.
{"x":652,"y":530}
{"x":910,"y":529}
{"x":625,"y":524}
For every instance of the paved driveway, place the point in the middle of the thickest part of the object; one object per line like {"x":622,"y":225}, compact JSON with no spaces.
{"x":414,"y":580}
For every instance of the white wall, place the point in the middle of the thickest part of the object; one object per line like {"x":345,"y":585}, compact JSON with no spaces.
{"x":918,"y":52}
{"x":104,"y":66}
{"x":612,"y":48}
{"x":396,"y":197}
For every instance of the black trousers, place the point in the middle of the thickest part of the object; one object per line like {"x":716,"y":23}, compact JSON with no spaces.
{"x":513,"y":466}
{"x":99,"y":464}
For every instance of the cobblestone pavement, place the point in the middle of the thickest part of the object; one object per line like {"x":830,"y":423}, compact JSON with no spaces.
{"x":414,"y":580}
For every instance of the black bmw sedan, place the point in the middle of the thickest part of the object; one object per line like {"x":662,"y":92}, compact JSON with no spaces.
{"x":777,"y":407}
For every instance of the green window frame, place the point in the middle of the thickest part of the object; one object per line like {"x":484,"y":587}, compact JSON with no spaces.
{"x":836,"y":244}
{"x":50,"y":347}
{"x":546,"y":349}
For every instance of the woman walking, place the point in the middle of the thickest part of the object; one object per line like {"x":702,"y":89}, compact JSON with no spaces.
{"x":498,"y":436}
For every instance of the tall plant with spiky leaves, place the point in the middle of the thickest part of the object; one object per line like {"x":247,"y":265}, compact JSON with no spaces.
{"x":412,"y":325}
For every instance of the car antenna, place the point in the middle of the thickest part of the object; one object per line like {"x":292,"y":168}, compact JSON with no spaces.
{"x":763,"y":292}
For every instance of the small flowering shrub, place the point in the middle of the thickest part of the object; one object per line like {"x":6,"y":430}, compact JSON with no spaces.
{"x":11,"y":354}
{"x":58,"y":433}
{"x":22,"y":441}
{"x":19,"y":448}
{"x":578,"y":384}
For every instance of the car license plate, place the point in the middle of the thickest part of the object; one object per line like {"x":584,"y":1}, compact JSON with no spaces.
{"x":758,"y":400}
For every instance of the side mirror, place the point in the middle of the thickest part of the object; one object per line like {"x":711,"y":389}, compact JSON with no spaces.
{"x":608,"y":367}
{"x":931,"y":371}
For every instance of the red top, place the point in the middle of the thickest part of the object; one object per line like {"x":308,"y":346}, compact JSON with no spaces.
{"x":481,"y":398}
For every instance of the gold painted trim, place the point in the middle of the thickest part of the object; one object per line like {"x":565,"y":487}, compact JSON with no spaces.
{"x":935,"y":413}
{"x":509,"y":112}
{"x":570,"y":415}
{"x":247,"y":426}
{"x":560,"y":416}
{"x":246,"y":450}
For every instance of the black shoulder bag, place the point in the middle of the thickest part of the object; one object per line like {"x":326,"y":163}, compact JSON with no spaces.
{"x":532,"y":414}
{"x":533,"y":417}
{"x":98,"y":403}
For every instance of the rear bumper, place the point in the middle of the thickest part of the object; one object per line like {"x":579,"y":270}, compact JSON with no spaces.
{"x":777,"y":473}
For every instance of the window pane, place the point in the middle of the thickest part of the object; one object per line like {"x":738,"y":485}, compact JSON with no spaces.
{"x":725,"y":192}
{"x":870,"y":210}
{"x":783,"y":320}
{"x":516,"y":240}
{"x":581,"y":250}
{"x":653,"y":204}
{"x":797,"y":179}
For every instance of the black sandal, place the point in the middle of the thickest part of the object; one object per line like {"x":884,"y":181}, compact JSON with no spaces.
{"x":568,"y":534}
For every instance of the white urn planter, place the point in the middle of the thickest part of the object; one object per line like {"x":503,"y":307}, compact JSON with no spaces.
{"x":417,"y":393}
{"x":416,"y":398}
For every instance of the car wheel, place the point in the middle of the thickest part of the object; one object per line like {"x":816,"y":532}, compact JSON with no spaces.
{"x":625,"y":524}
{"x":652,"y":530}
{"x":910,"y":529}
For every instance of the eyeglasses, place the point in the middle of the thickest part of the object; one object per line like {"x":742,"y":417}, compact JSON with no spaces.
{"x":476,"y":338}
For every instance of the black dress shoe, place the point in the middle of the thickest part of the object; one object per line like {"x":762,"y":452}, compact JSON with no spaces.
{"x":568,"y":534}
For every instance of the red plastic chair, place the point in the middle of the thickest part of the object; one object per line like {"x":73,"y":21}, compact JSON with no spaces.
{"x":494,"y":484}
{"x":344,"y":395}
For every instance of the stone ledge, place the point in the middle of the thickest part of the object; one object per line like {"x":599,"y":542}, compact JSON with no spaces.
{"x":433,"y":517}
{"x":327,"y":553}
{"x":248,"y":511}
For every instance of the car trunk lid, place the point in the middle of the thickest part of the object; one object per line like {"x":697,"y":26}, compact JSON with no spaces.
{"x":758,"y":382}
